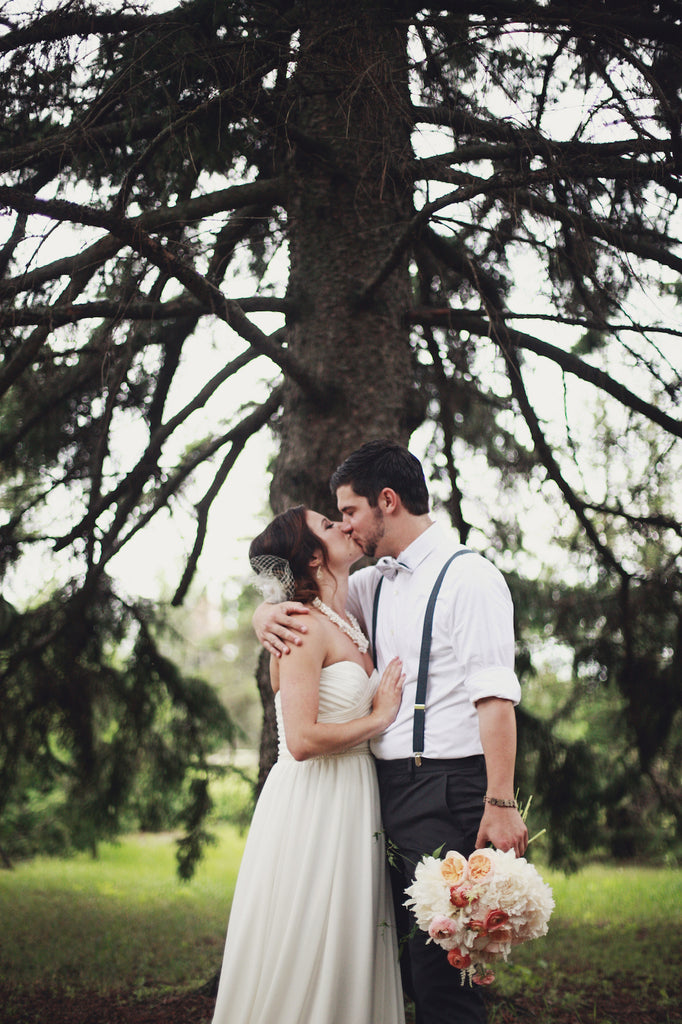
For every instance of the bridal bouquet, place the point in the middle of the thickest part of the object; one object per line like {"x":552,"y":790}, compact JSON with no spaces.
{"x":478,"y":909}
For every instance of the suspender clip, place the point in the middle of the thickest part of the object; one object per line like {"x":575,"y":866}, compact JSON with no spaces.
{"x":417,"y":760}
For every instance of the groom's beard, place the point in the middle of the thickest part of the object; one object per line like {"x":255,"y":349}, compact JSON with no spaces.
{"x":371,"y":542}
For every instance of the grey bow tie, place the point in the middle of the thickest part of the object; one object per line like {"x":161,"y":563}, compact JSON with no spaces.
{"x":390,"y":567}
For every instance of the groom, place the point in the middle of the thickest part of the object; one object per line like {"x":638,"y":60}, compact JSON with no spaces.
{"x":446,"y":765}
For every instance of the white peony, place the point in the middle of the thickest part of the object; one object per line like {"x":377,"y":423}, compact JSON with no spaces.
{"x":507,"y":906}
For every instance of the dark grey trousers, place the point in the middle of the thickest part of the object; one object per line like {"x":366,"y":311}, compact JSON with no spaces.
{"x":435,"y":806}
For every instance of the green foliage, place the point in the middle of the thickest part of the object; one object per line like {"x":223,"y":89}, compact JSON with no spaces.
{"x":217,"y":642}
{"x":195,"y":838}
{"x":89,"y":741}
{"x":233,"y":794}
{"x":591,"y":341}
{"x":603,"y":763}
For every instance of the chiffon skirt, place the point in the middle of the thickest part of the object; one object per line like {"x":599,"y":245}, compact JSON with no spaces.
{"x":311,"y":937}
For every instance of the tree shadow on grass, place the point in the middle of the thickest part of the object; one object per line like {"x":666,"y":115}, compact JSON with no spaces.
{"x":578,"y":1005}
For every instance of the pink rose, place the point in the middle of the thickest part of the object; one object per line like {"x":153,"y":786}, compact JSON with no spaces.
{"x":441,"y":928}
{"x":459,"y":959}
{"x":498,"y":942}
{"x":483,"y":979}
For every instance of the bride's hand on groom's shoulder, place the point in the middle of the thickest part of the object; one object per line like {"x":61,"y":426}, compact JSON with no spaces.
{"x":274,"y":627}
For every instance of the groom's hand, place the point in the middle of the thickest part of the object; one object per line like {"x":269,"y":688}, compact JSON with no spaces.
{"x":504,"y":828}
{"x":274,"y":628}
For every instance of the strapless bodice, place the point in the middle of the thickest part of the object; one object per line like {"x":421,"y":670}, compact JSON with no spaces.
{"x":346,"y":692}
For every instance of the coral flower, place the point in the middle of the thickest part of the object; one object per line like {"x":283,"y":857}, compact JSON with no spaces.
{"x":458,"y":959}
{"x":485,"y":979}
{"x":459,"y":895}
{"x":495,"y":919}
{"x":454,"y":868}
{"x":481,"y":865}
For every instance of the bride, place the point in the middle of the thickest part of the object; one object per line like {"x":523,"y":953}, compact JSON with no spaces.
{"x":311,"y":937}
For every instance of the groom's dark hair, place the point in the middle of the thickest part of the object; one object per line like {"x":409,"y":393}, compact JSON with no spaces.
{"x":379,"y":464}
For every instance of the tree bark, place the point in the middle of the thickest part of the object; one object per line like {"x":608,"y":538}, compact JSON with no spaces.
{"x":348,"y":204}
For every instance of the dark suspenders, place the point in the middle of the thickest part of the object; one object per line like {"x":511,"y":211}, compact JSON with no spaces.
{"x":424,"y":654}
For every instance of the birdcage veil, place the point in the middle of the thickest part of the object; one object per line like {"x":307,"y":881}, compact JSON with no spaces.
{"x":274,"y":578}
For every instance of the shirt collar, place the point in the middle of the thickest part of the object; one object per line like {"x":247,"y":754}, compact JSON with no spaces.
{"x":420,"y":548}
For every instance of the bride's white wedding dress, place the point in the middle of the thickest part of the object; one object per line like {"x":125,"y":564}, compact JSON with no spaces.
{"x":311,"y":937}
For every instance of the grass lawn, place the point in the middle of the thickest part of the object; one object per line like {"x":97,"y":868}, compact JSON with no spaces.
{"x":123,"y":922}
{"x":613,"y":953}
{"x":120,"y":939}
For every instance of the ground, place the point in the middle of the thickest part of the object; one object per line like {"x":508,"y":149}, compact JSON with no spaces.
{"x":48,"y":1007}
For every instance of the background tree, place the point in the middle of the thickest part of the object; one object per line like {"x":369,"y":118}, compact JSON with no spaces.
{"x":452,"y":214}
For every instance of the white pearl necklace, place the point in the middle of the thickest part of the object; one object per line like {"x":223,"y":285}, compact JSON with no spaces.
{"x":353,"y":630}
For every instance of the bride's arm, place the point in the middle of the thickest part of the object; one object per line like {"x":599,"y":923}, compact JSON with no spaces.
{"x":299,"y":677}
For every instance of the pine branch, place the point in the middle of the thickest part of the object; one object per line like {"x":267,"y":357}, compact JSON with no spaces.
{"x":237,"y":436}
{"x":13,"y":369}
{"x":241,"y":435}
{"x":118,"y":309}
{"x":568,"y":361}
{"x":597,"y":325}
{"x":206,"y":292}
{"x":129,"y":490}
{"x":546,"y":455}
{"x":630,"y":20}
{"x":94,"y":257}
{"x":45,"y":152}
{"x":654,"y":521}
{"x":190,"y":211}
{"x":499,"y":333}
{"x":59,"y":24}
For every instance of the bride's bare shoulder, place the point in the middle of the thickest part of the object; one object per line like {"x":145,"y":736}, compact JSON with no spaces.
{"x":314,"y":643}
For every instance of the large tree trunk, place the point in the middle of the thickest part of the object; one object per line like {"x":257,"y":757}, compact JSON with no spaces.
{"x":349,"y":204}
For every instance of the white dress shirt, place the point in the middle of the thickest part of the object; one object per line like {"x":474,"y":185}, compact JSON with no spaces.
{"x":472,"y":652}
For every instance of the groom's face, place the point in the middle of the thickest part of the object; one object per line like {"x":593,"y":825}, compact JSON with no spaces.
{"x":364,"y":522}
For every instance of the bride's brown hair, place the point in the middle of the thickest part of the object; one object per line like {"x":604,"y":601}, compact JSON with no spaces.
{"x":289,"y":536}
